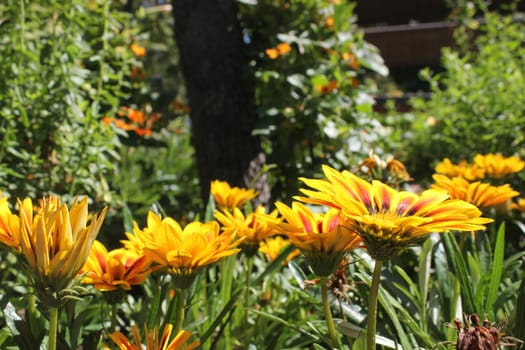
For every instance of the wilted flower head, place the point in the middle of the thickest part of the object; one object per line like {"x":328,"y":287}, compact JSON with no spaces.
{"x":323,"y":238}
{"x":153,"y":341}
{"x":9,"y":225}
{"x":228,"y":197}
{"x":254,"y":227}
{"x":478,"y":193}
{"x":473,"y":335}
{"x":55,"y":242}
{"x":185,"y":252}
{"x":117,"y":269}
{"x":389,"y":220}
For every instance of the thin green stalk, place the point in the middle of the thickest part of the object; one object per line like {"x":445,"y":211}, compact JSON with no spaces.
{"x":53,"y":328}
{"x":328,"y":313}
{"x":113,"y":317}
{"x":372,"y":306}
{"x":179,"y":317}
{"x":249,"y":270}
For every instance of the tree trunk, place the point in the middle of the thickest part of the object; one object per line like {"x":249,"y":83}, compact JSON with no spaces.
{"x":220,"y":92}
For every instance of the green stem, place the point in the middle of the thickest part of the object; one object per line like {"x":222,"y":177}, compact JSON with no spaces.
{"x":53,"y":328}
{"x":113,"y":317}
{"x":179,"y":317}
{"x":328,"y":313}
{"x":372,"y":306}
{"x":249,"y":270}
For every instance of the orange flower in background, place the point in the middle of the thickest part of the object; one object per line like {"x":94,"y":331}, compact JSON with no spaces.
{"x":228,"y":197}
{"x":328,"y":87}
{"x":330,"y":22}
{"x":254,"y":228}
{"x":497,"y":166}
{"x":130,"y":119}
{"x":9,"y":225}
{"x":153,"y":341}
{"x":478,"y":193}
{"x":323,"y":238}
{"x":139,"y":51}
{"x":116,"y":269}
{"x":280,"y":50}
{"x":184,"y":252}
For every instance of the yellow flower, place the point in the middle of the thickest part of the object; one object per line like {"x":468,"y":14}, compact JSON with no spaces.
{"x":273,"y":246}
{"x":153,"y":342}
{"x":478,"y":193}
{"x":390,"y":220}
{"x":323,"y":238}
{"x":117,"y":269}
{"x":498,"y":167}
{"x":56,"y":241}
{"x":185,"y":252}
{"x":254,"y":227}
{"x":467,"y":171}
{"x":9,"y":225}
{"x":519,"y":205}
{"x":230,"y":197}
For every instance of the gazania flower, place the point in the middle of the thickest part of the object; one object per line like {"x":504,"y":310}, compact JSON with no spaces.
{"x":116,"y":269}
{"x":185,"y":251}
{"x":519,"y":205}
{"x":389,"y":220}
{"x":56,"y":241}
{"x":254,"y":228}
{"x":478,"y":193}
{"x":470,"y":172}
{"x":230,"y":197}
{"x":9,"y":224}
{"x":153,"y":342}
{"x":273,"y":246}
{"x":497,"y":166}
{"x":323,"y":238}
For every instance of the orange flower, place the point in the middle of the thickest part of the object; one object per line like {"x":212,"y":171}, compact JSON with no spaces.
{"x":273,"y":246}
{"x":138,"y":50}
{"x":478,"y":193}
{"x":230,"y":197}
{"x":117,"y":269}
{"x":323,"y":238}
{"x":280,"y":50}
{"x":143,"y":131}
{"x":462,"y":169}
{"x":330,"y":22}
{"x":327,"y":88}
{"x":9,"y":225}
{"x":153,"y":342}
{"x":254,"y":227}
{"x":135,"y":116}
{"x":498,"y":167}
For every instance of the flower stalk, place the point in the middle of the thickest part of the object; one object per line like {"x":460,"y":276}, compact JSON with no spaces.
{"x":372,"y":306}
{"x":328,"y":313}
{"x":179,"y":316}
{"x":53,"y":328}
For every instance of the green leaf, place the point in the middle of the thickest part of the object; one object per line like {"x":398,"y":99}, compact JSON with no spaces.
{"x":497,"y":270}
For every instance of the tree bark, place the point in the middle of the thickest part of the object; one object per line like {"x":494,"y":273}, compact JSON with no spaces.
{"x":220,"y":92}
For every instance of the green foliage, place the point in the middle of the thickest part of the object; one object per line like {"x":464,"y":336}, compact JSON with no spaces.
{"x":314,"y":101}
{"x":63,"y":69}
{"x":477,"y":103}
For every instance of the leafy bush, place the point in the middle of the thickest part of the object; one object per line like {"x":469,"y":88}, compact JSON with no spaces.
{"x":64,"y":67}
{"x":477,"y":103}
